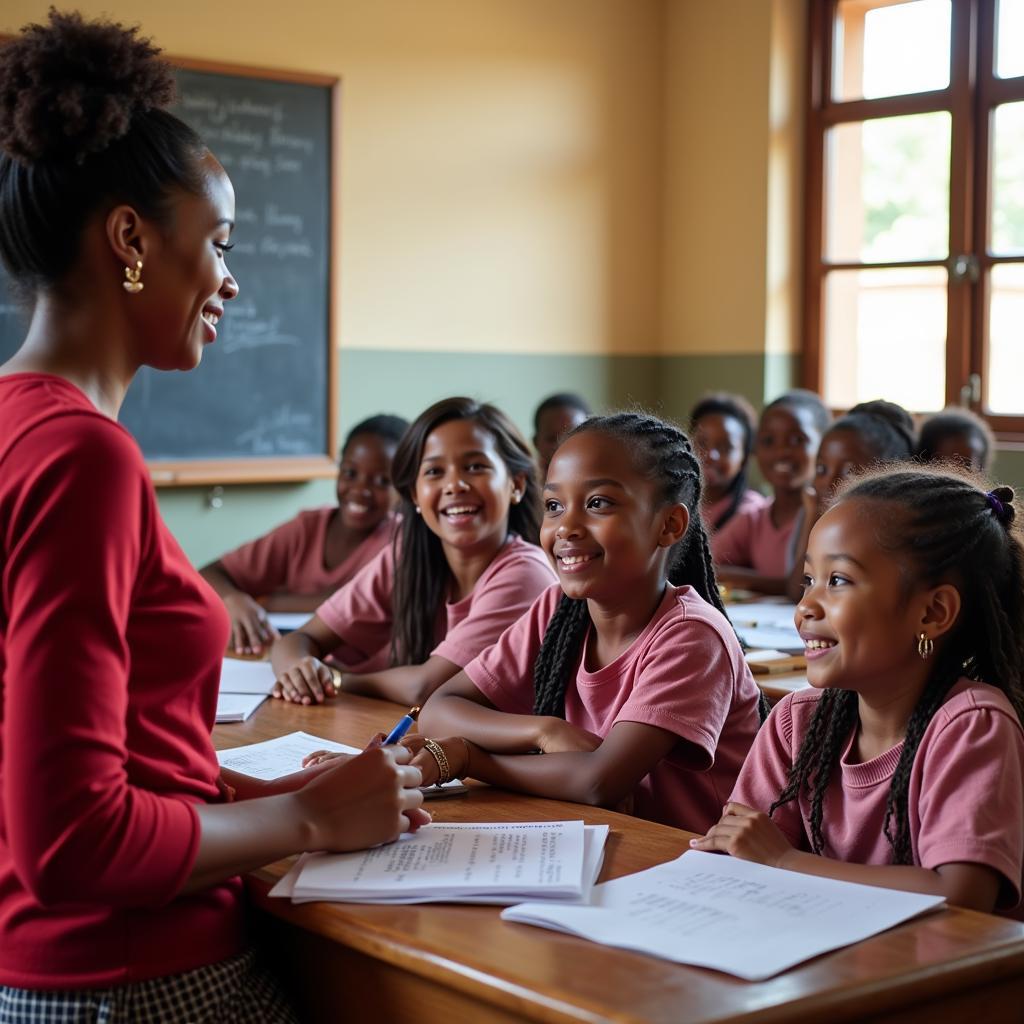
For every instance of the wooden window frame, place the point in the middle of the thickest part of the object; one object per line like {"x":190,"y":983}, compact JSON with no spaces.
{"x":973,"y":92}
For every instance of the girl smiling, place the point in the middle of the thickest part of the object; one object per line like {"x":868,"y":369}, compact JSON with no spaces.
{"x":905,"y":769}
{"x":636,"y":690}
{"x":755,"y":549}
{"x":464,"y":566}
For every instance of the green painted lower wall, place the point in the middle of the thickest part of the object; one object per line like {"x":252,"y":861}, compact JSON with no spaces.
{"x":406,"y":382}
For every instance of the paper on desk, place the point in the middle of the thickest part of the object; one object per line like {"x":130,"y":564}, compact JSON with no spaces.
{"x":237,"y":707}
{"x":594,"y":839}
{"x":730,"y":915}
{"x":288,"y":620}
{"x":281,"y":756}
{"x":465,"y":863}
{"x":763,"y":613}
{"x":775,"y":638}
{"x":237,"y":676}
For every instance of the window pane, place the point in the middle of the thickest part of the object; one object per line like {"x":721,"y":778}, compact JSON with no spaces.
{"x":885,"y":337}
{"x":886,"y":48}
{"x":1006,"y":339}
{"x":1008,"y":179}
{"x":887,"y":189}
{"x":1010,"y":39}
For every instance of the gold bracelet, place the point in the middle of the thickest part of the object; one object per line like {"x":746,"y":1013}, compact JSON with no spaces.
{"x":445,"y":772}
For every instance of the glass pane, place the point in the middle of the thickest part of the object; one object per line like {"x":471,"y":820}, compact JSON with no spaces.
{"x":890,"y":48}
{"x":1006,"y":339}
{"x":1008,"y":179}
{"x":887,"y":189}
{"x":1010,"y":39}
{"x":885,"y":337}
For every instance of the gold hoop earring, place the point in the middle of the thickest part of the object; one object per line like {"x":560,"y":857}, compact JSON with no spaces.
{"x":925,"y":646}
{"x":132,"y":284}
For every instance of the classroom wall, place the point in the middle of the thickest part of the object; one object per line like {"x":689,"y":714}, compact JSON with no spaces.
{"x":534,"y":195}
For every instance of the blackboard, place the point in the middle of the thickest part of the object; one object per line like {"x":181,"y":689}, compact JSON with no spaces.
{"x":261,"y":406}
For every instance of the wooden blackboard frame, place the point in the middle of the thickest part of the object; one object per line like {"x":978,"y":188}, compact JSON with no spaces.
{"x":279,"y":468}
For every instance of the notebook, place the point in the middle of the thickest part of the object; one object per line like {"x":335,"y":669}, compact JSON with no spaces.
{"x":495,"y":863}
{"x":237,"y":707}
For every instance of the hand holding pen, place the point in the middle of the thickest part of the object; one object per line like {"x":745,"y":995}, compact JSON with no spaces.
{"x":402,"y":726}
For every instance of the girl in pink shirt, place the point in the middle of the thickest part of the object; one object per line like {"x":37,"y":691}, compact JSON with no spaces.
{"x":722,"y":427}
{"x":463,"y":567}
{"x":636,"y":690}
{"x":303,"y":561}
{"x":905,"y":770}
{"x":754,"y":549}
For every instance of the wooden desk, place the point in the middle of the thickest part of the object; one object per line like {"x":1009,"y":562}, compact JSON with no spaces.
{"x":776,"y":687}
{"x":453,"y":964}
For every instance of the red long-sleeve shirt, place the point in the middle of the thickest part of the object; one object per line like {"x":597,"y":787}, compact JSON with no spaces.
{"x":110,"y":649}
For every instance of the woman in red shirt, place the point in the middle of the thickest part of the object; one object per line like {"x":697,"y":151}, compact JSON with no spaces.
{"x":119,"y":854}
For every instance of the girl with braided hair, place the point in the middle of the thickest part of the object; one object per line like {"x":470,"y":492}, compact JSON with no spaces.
{"x":904,"y":769}
{"x":633,"y":688}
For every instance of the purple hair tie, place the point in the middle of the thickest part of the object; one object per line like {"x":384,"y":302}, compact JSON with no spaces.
{"x":997,"y":506}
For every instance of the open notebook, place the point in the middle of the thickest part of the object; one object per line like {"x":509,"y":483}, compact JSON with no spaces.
{"x":497,"y":863}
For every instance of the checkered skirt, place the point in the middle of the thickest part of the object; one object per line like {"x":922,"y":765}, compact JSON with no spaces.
{"x":235,"y":991}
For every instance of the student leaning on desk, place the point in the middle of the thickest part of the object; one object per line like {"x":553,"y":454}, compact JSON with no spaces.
{"x":119,"y":850}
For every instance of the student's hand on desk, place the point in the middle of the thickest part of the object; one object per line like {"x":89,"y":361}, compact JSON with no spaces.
{"x":557,"y":736}
{"x":747,"y":834}
{"x":251,"y":630}
{"x":308,"y":681}
{"x":456,"y":750}
{"x":364,"y":801}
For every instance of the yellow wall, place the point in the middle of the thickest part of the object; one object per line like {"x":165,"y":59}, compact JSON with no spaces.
{"x":500,"y":159}
{"x":734,"y":103}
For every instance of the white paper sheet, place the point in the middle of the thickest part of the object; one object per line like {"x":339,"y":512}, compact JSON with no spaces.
{"x":594,"y":839}
{"x":716,"y":911}
{"x":480,"y":863}
{"x":288,"y":620}
{"x":775,"y":638}
{"x":281,"y":756}
{"x":237,"y":676}
{"x":237,"y":707}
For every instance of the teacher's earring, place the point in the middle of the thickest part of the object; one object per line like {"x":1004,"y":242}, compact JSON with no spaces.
{"x":132,"y":283}
{"x":925,"y":646}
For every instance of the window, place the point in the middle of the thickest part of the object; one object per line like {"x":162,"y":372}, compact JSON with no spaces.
{"x":915,"y":215}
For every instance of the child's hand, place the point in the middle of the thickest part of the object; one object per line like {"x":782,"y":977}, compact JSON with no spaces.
{"x":321,"y":756}
{"x":309,"y":680}
{"x":251,"y":630}
{"x":364,"y":801}
{"x":456,"y":750}
{"x":747,"y":834}
{"x":557,"y":736}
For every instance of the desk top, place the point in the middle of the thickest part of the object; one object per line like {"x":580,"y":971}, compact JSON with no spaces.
{"x":545,"y":976}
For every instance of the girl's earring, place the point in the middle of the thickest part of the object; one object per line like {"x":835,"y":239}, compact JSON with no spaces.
{"x":132,"y":284}
{"x":515,"y":497}
{"x":925,"y":646}
{"x":418,"y":510}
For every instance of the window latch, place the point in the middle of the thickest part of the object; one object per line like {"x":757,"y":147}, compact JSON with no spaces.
{"x":964,"y":268}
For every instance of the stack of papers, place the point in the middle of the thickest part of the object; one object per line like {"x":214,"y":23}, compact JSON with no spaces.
{"x":237,"y":676}
{"x":283,"y":755}
{"x":730,"y":915}
{"x":458,"y":863}
{"x":767,"y":625}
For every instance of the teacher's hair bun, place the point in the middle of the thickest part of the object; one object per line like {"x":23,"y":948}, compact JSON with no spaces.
{"x":72,"y":87}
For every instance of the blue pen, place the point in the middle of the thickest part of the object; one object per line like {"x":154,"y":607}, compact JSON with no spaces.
{"x":403,"y":726}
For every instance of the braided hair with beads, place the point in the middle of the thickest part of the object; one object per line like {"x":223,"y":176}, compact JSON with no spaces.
{"x":664,"y":453}
{"x":945,"y":527}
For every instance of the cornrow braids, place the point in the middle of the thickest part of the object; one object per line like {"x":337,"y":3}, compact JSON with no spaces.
{"x":664,"y":452}
{"x":946,"y":528}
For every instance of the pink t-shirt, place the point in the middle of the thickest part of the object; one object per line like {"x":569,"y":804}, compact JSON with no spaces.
{"x":966,"y":796}
{"x":685,"y":674}
{"x":751,"y":540}
{"x":710,"y":513}
{"x":360,"y":612}
{"x":291,"y":556}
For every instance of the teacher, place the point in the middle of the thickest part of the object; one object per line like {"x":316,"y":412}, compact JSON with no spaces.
{"x":120,"y":848}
